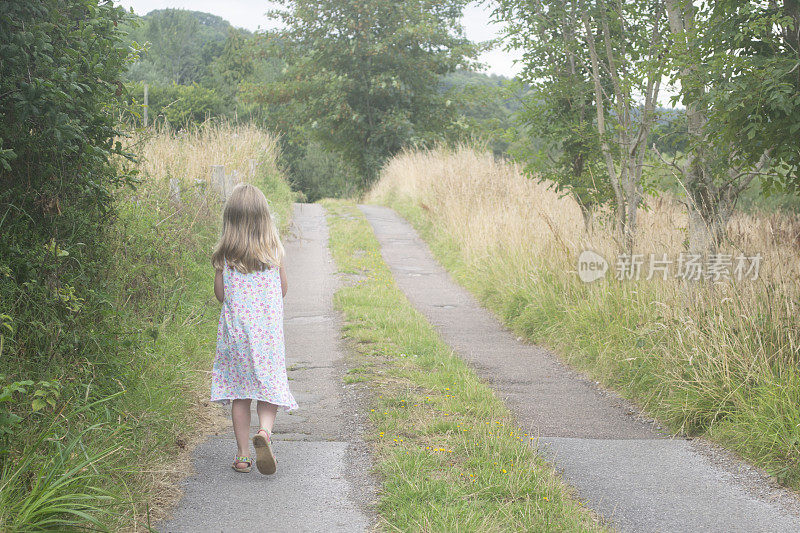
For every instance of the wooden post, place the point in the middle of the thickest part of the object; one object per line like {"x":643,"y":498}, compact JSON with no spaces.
{"x":218,"y":179}
{"x":145,"y":105}
{"x":174,"y":190}
{"x":253,"y":165}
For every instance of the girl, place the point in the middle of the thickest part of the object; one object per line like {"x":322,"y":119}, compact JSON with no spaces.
{"x":250,"y":283}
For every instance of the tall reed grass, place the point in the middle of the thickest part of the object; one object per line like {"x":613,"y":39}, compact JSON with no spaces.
{"x":188,"y":155}
{"x":718,"y":359}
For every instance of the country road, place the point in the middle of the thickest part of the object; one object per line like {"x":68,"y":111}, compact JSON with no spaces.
{"x":632,"y":474}
{"x":635,"y":476}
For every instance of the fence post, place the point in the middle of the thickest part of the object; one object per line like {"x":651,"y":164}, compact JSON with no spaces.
{"x":145,"y":105}
{"x":234,"y":180}
{"x":253,"y":164}
{"x":174,"y":190}
{"x":218,"y":179}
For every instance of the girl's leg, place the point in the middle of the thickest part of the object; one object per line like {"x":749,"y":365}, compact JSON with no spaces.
{"x":240,"y":413}
{"x":266,"y":415}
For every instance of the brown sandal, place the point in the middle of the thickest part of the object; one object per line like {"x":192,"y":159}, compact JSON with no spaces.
{"x":265,"y":459}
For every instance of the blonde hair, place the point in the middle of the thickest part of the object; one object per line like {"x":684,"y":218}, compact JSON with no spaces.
{"x":249,"y":240}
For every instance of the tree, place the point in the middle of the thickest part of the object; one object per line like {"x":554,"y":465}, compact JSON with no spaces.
{"x":181,"y":45}
{"x":737,"y":64}
{"x":632,"y":59}
{"x":364,"y":75}
{"x":622,"y":76}
{"x":559,"y":109}
{"x":235,"y":63}
{"x":178,"y":105}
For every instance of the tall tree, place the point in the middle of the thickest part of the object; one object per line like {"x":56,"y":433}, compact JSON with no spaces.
{"x":632,"y":59}
{"x":181,"y":45}
{"x":737,"y":64}
{"x":600,"y":57}
{"x":559,"y":110}
{"x":364,"y":74}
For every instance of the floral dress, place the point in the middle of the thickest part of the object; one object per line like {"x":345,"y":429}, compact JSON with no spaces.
{"x":251,"y":360}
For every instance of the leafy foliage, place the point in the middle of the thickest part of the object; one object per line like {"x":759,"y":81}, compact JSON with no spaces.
{"x":751,"y":51}
{"x":178,"y":105}
{"x":181,"y":45}
{"x":364,"y":76}
{"x":60,"y":67}
{"x":60,"y":63}
{"x":560,"y":108}
{"x":735,"y":64}
{"x":486,"y":105}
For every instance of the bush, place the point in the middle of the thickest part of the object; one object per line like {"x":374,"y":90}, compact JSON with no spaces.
{"x":57,"y":131}
{"x":60,"y":63}
{"x":179,"y":106}
{"x":316,"y":172}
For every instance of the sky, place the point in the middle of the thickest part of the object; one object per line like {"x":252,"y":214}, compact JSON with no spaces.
{"x":251,"y":14}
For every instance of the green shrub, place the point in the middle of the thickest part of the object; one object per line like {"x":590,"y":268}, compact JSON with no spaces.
{"x":176,"y":105}
{"x":316,"y":172}
{"x":59,"y":67}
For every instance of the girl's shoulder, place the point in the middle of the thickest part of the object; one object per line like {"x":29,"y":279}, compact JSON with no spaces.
{"x":266,"y":271}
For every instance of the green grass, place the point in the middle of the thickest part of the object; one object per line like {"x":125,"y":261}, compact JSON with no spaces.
{"x":449,"y":453}
{"x":691,"y":376}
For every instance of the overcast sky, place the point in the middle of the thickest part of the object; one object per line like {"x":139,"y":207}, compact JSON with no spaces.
{"x":250,"y":14}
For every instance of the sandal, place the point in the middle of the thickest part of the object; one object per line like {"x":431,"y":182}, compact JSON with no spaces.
{"x":242,"y":459}
{"x":265,"y":459}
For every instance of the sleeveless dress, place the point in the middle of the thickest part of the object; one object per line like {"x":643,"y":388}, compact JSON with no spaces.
{"x":250,"y":360}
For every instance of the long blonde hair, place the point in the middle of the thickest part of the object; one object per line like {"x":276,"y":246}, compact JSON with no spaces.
{"x":249,"y":240}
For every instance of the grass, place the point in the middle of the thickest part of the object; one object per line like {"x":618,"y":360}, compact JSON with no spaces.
{"x":449,"y":453}
{"x":712,"y":359}
{"x":109,"y":454}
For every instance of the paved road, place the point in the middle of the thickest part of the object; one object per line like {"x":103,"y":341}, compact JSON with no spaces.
{"x":322,"y":482}
{"x":628,"y":471}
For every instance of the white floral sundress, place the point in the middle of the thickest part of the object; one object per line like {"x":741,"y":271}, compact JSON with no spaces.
{"x":251,"y":360}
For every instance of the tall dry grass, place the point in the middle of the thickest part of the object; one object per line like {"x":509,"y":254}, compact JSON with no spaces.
{"x":187,"y":156}
{"x":718,"y":359}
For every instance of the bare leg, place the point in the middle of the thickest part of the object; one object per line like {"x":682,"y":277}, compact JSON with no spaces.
{"x":240,"y":412}
{"x":266,"y":415}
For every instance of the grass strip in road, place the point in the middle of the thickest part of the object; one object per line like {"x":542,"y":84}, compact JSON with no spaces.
{"x":450,"y":455}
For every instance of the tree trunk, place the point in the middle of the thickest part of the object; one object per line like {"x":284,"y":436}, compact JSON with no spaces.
{"x":619,"y":197}
{"x":702,"y":196}
{"x":631,"y":143}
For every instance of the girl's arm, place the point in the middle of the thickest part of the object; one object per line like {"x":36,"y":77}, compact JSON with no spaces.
{"x":219,"y":287}
{"x":284,"y":285}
